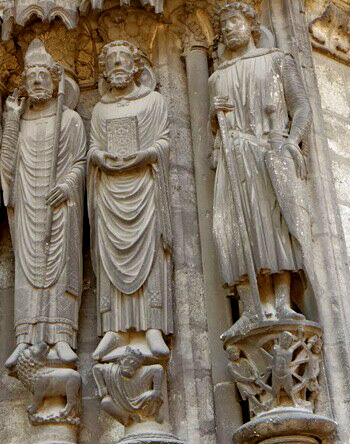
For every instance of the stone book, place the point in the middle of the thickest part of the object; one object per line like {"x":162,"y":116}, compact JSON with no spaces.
{"x":122,"y":136}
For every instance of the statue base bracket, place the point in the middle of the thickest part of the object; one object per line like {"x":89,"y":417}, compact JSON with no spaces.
{"x":287,"y":426}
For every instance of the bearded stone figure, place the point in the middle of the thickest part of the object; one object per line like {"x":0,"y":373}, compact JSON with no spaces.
{"x":129,"y":207}
{"x":43,"y":160}
{"x":259,"y":115}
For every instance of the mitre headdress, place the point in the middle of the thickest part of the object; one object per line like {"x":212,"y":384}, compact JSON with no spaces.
{"x":37,"y":55}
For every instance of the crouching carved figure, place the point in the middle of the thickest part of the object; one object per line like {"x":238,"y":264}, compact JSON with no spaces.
{"x":130,"y":391}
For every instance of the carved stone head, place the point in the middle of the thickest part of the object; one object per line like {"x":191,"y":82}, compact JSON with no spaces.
{"x":131,"y":361}
{"x":316,"y":344}
{"x":233,"y":353}
{"x":237,"y":23}
{"x":41,"y":75}
{"x":286,"y":340}
{"x":120,"y":63}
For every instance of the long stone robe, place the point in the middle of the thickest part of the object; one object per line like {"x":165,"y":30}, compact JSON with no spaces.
{"x":130,"y":221}
{"x":252,"y":84}
{"x":48,"y":284}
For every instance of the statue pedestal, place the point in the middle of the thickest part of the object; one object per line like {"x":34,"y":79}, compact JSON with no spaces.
{"x":55,"y":388}
{"x":287,"y":426}
{"x":149,"y":432}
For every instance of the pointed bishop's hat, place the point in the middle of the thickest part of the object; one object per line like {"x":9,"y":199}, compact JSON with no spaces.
{"x":37,"y":55}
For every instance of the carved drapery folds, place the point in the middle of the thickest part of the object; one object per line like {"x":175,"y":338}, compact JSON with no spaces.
{"x":43,"y":157}
{"x":259,"y":116}
{"x":329,"y":27}
{"x":131,"y":238}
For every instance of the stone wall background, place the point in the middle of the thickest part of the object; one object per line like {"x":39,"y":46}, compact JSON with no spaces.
{"x":334,"y":85}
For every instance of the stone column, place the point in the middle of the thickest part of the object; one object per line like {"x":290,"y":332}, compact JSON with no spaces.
{"x":190,"y":377}
{"x":228,"y":413}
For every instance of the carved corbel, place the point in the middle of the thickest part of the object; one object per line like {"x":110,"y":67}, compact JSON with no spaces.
{"x":330,"y":28}
{"x":192,"y":24}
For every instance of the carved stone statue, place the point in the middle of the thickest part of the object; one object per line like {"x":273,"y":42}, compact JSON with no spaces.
{"x":46,"y":382}
{"x":42,"y":173}
{"x":275,"y":368}
{"x":128,"y":205}
{"x":259,"y":114}
{"x":130,"y":391}
{"x":246,"y":376}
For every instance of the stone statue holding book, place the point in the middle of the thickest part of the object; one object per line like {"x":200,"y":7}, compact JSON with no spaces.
{"x":129,"y":207}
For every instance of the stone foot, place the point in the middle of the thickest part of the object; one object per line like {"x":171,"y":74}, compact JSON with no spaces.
{"x":241,"y":327}
{"x":156,"y":343}
{"x":288,"y":313}
{"x":12,"y":360}
{"x":65,"y":353}
{"x":110,"y":341}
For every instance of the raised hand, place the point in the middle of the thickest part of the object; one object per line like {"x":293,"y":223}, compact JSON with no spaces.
{"x":14,"y":104}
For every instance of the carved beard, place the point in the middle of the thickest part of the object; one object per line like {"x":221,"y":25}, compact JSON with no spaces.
{"x":120,"y":79}
{"x":238,"y":40}
{"x":40,"y":96}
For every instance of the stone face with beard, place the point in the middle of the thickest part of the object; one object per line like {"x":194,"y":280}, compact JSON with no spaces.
{"x":120,"y":66}
{"x":235,"y":30}
{"x":39,"y":84}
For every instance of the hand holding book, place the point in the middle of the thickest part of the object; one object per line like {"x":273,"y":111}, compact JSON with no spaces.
{"x":111,"y":164}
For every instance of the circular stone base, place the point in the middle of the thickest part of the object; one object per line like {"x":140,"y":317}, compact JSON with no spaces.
{"x":148,"y":438}
{"x":285,"y":425}
{"x":55,"y":434}
{"x":291,"y":440}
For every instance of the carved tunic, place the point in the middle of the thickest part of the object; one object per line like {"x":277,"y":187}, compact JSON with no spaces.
{"x":252,"y":83}
{"x":47,"y":282}
{"x":130,"y":394}
{"x":130,"y":222}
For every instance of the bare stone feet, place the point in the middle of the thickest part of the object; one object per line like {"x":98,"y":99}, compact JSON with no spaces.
{"x":156,"y":343}
{"x":110,"y":341}
{"x":65,"y":353}
{"x":12,"y":360}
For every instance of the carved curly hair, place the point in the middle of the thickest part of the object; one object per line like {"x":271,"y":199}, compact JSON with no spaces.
{"x":138,"y":63}
{"x":55,"y":72}
{"x":247,"y":10}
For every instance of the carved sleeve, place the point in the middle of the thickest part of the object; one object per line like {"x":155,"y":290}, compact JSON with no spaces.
{"x":9,"y":147}
{"x":297,"y":100}
{"x":76,"y":175}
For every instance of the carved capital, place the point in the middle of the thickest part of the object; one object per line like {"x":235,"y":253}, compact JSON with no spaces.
{"x":329,"y":27}
{"x":276,"y":367}
{"x":192,"y":24}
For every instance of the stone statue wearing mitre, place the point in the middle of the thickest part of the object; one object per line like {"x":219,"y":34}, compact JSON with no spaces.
{"x":129,"y":205}
{"x":43,"y":159}
{"x":259,"y":115}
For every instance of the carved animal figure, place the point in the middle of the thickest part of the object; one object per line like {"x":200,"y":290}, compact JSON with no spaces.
{"x":46,"y":382}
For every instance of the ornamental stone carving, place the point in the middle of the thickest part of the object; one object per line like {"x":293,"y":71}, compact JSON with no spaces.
{"x":131,"y":238}
{"x":42,"y":174}
{"x":32,"y":370}
{"x":329,"y":26}
{"x":259,"y":115}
